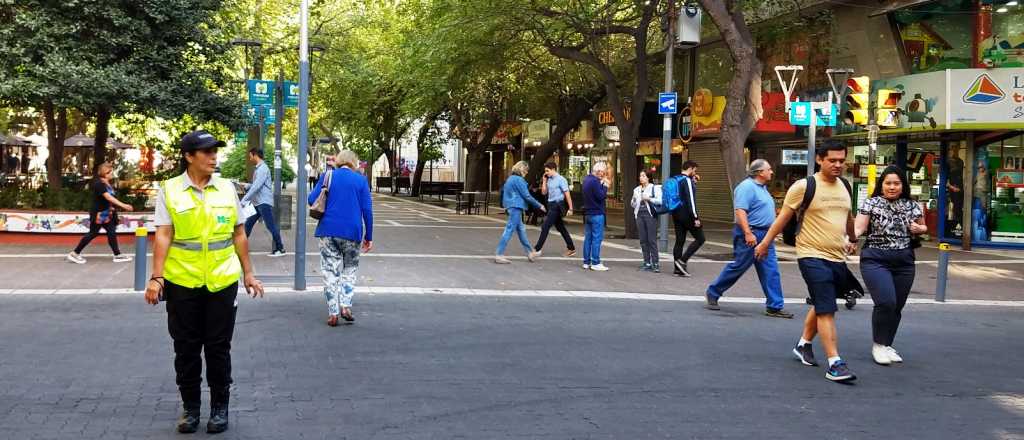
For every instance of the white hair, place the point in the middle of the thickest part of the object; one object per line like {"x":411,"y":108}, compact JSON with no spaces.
{"x":755,"y":166}
{"x":600,"y":166}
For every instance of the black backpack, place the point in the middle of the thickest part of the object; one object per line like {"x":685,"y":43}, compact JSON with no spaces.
{"x":792,"y":228}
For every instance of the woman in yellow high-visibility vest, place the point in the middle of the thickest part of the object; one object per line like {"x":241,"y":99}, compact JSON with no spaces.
{"x":199,"y":255}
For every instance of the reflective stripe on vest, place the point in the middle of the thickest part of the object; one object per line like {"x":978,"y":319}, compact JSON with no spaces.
{"x":197,"y":246}
{"x":202,"y":252}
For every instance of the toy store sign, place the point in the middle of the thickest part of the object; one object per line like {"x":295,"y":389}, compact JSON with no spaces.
{"x":67,"y":222}
{"x":986,"y":98}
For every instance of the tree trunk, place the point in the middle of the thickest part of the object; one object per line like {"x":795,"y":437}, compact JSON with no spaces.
{"x":56,"y":132}
{"x":477,"y":169}
{"x":99,"y":147}
{"x":421,"y":140}
{"x":741,"y":112}
{"x":578,"y":109}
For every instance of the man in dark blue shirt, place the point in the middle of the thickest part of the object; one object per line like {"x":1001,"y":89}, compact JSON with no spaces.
{"x":595,"y":191}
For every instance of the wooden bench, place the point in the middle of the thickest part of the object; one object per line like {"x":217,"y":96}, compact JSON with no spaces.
{"x":404,"y":182}
{"x":440,"y":189}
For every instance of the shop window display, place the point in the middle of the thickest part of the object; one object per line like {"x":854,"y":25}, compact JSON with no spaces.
{"x":999,"y":192}
{"x":1005,"y":45}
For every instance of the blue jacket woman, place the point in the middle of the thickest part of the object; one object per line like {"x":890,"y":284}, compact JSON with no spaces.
{"x":515,"y":196}
{"x":345,"y":231}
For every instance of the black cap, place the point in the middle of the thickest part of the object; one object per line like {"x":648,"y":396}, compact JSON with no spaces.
{"x":200,"y":140}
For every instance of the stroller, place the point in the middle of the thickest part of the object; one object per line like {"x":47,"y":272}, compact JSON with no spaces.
{"x":850,"y":292}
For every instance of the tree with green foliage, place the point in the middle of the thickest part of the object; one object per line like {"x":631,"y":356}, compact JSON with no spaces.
{"x":234,"y":167}
{"x":109,"y":58}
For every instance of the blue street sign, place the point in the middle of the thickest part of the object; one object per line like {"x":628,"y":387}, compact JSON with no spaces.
{"x":291,"y":94}
{"x":261,"y":92}
{"x":667,"y":103}
{"x":800,"y":114}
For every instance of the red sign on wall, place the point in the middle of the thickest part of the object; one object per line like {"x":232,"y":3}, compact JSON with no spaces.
{"x":775,"y":119}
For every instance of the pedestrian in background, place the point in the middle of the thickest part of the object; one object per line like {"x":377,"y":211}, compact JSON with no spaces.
{"x":345,"y":230}
{"x":595,"y":191}
{"x":199,"y":253}
{"x":754,"y":208}
{"x":645,"y":202}
{"x":102,"y":214}
{"x":890,"y":218}
{"x":685,"y":219}
{"x":515,"y":196}
{"x":261,"y":195}
{"x":559,"y":205}
{"x":826,"y":237}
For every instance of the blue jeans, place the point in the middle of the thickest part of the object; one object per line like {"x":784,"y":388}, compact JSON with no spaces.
{"x":593,"y":234}
{"x":514,"y":225}
{"x":266,"y":212}
{"x":767,"y":270}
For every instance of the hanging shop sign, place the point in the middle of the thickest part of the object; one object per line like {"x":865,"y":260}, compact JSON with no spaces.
{"x":707,"y":112}
{"x":538,"y":131}
{"x":611,"y":133}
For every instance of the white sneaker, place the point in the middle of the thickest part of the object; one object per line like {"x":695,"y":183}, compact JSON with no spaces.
{"x":893,"y":355}
{"x":278,"y":253}
{"x":533,"y":256}
{"x":880,"y":354}
{"x":122,"y":258}
{"x":75,"y":258}
{"x":598,"y":267}
{"x":502,"y":260}
{"x":586,"y":266}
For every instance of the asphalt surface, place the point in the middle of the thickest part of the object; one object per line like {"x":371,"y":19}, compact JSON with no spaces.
{"x":443,"y":367}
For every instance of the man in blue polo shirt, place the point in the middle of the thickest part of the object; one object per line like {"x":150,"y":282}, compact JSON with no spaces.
{"x":556,"y":188}
{"x":755,"y":212}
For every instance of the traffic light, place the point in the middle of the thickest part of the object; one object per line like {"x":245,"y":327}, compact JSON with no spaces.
{"x":888,"y":107}
{"x":857,"y":100}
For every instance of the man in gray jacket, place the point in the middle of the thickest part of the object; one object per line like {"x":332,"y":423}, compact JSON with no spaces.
{"x":261,"y":195}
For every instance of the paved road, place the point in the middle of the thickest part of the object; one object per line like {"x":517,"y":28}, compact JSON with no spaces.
{"x":431,"y":366}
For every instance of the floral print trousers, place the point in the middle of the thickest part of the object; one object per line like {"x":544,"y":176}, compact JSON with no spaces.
{"x":339,"y":262}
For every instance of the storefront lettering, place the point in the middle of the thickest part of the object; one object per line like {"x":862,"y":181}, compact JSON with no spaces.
{"x":607,"y":117}
{"x":1017,"y":97}
{"x":1017,"y":83}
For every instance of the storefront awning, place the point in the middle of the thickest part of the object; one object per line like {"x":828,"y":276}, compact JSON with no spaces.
{"x":897,"y":5}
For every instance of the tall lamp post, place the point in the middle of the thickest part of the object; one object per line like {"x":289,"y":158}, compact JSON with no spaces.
{"x":300,"y":202}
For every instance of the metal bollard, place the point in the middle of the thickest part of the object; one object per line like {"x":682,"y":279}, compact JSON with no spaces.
{"x":940,"y":280}
{"x":141,"y":243}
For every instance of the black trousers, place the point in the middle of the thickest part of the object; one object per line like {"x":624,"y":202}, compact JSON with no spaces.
{"x":94,"y":231}
{"x":888,"y":276}
{"x":685,"y":223}
{"x":554,"y":218}
{"x":201,"y":321}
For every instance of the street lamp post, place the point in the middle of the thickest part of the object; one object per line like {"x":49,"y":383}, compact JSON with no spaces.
{"x":253,"y":49}
{"x":300,"y":202}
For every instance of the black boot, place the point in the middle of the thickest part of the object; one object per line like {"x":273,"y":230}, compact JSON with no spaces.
{"x":218,"y":418}
{"x":189,"y":420}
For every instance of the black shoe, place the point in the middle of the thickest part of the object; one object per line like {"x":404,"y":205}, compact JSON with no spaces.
{"x":655,"y":268}
{"x":840,"y":372}
{"x":778,"y":313}
{"x":645,"y":267}
{"x":805,"y":355}
{"x":189,"y":420}
{"x":681,"y":269}
{"x":712,"y":302}
{"x":218,"y":419}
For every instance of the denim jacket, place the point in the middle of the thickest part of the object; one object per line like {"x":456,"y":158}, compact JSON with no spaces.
{"x":515,"y":194}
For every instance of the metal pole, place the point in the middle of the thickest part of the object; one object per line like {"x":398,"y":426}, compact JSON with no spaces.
{"x":140,"y":258}
{"x":666,"y":135}
{"x":279,"y":105}
{"x":300,"y":198}
{"x":940,"y":279}
{"x":811,"y":132}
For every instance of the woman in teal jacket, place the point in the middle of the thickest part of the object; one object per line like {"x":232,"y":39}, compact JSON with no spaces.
{"x":514,"y":197}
